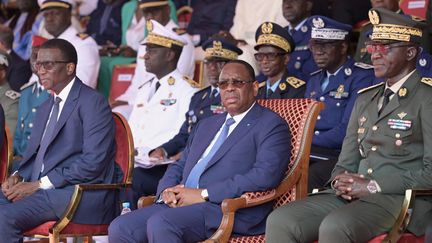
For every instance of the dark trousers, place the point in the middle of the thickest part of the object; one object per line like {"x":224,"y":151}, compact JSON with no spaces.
{"x":321,"y":164}
{"x":145,"y":182}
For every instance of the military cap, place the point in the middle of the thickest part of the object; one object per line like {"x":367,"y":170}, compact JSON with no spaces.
{"x":48,"y":4}
{"x":324,"y":28}
{"x":161,"y":36}
{"x":388,"y":25}
{"x":4,"y":59}
{"x":220,"y":48}
{"x":151,"y":3}
{"x":275,"y":35}
{"x":38,"y":40}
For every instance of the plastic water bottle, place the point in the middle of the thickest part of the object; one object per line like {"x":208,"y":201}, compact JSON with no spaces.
{"x":125,"y":208}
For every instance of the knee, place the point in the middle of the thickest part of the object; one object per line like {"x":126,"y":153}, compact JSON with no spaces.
{"x":158,"y":225}
{"x":334,"y":225}
{"x":117,"y":228}
{"x":280,"y":227}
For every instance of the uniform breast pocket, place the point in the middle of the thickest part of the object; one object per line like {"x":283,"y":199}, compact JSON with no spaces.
{"x":398,"y":142}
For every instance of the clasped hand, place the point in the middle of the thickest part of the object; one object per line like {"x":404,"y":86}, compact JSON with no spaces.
{"x":15,"y":189}
{"x":350,"y":186}
{"x":179,"y":196}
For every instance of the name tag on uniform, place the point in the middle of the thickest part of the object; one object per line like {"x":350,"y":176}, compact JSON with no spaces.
{"x":168,"y":102}
{"x":361,"y":130}
{"x":398,"y":124}
{"x":217,"y":109}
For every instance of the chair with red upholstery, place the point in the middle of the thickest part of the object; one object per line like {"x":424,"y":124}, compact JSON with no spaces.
{"x":301,"y":115}
{"x":64,"y":227}
{"x":121,"y":79}
{"x":5,"y":156}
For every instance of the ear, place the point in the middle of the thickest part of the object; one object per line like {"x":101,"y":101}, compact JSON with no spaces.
{"x":170,"y":55}
{"x":70,"y":68}
{"x":286,"y":59}
{"x":345,"y":46}
{"x":309,"y":5}
{"x":411,"y":53}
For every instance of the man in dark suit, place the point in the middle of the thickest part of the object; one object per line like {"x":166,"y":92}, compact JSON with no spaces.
{"x":386,"y":150}
{"x":19,"y":71}
{"x":72,"y":142}
{"x":254,"y":157}
{"x":204,"y":103}
{"x":274,"y":45}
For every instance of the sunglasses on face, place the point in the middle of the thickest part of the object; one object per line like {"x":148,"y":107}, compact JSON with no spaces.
{"x":235,"y":83}
{"x":383,"y":49}
{"x":270,"y":56}
{"x":47,"y":66}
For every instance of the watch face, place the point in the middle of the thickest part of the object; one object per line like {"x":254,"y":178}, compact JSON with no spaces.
{"x":372,"y":188}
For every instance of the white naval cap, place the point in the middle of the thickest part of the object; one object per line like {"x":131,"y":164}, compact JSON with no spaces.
{"x":47,"y":4}
{"x":162,"y":36}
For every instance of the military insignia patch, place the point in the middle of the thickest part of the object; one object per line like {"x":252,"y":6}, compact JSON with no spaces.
{"x":318,"y":23}
{"x":282,"y":86}
{"x":427,"y":81}
{"x":362,"y":120}
{"x":295,"y":82}
{"x":348,"y":71}
{"x":267,"y":28}
{"x":402,"y":115}
{"x":374,"y":17}
{"x":149,"y":26}
{"x":402,"y":92}
{"x":192,"y":82}
{"x":12,"y":94}
{"x":171,"y":81}
{"x":423,"y":62}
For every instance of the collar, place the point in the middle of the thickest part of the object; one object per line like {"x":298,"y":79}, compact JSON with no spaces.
{"x":298,"y":26}
{"x":68,"y":34}
{"x":395,"y":87}
{"x":274,"y":86}
{"x":239,"y":117}
{"x":164,"y":79}
{"x":335,"y":73}
{"x":66,"y":90}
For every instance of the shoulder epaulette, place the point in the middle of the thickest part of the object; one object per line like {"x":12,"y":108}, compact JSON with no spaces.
{"x":295,"y":82}
{"x":12,"y":94}
{"x":262,"y":84}
{"x":28,"y":84}
{"x":82,"y":36}
{"x":427,"y":81}
{"x":315,"y":72}
{"x":179,"y":31}
{"x":363,"y":65}
{"x":370,"y":87}
{"x":192,"y":82}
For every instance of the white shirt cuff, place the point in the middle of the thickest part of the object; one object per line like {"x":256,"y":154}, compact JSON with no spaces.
{"x":196,"y":39}
{"x":45,"y":183}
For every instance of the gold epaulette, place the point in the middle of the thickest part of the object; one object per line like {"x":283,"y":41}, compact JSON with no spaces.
{"x":82,"y":36}
{"x":262,"y":84}
{"x":427,"y":81}
{"x":192,"y":82}
{"x":179,"y":31}
{"x":363,"y":65}
{"x":369,"y":88}
{"x":295,"y":82}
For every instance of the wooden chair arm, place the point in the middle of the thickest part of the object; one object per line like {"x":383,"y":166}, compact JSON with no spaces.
{"x":145,"y":201}
{"x":76,"y":199}
{"x":404,"y":217}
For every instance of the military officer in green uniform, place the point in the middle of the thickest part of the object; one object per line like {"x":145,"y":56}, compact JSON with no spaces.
{"x":8,"y":97}
{"x":274,"y":44}
{"x":387,"y":149}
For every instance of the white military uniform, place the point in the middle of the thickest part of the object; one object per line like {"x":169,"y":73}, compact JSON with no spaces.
{"x":185,"y":66}
{"x":156,"y":119}
{"x":88,"y":55}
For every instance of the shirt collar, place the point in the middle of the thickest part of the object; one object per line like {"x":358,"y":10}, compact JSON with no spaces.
{"x":396,"y":86}
{"x":274,"y":86}
{"x":239,"y":117}
{"x":298,"y":26}
{"x":66,"y":90}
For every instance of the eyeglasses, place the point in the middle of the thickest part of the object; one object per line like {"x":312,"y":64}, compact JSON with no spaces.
{"x":323,"y":46}
{"x":270,"y":56}
{"x":383,"y":49}
{"x":218,"y":64}
{"x":235,"y":83}
{"x":48,"y":66}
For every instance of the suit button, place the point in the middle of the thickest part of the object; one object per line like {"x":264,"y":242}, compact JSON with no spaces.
{"x":322,"y":98}
{"x":338,"y":104}
{"x":201,"y":112}
{"x":369,"y":171}
{"x":397,"y":135}
{"x":374,"y":148}
{"x":318,"y":117}
{"x":317,"y":133}
{"x":34,"y":110}
{"x":30,"y":125}
{"x":375,"y":128}
{"x":28,"y":137}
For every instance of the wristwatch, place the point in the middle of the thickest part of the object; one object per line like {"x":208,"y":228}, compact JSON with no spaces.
{"x":372,"y":186}
{"x":204,"y":194}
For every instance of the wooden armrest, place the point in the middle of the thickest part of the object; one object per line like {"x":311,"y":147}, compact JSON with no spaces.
{"x":145,"y":201}
{"x":76,"y":199}
{"x":404,"y":217}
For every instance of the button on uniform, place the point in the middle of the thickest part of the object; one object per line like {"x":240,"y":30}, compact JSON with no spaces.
{"x":319,"y":117}
{"x":374,"y":148}
{"x":317,"y":133}
{"x":374,"y":128}
{"x":370,"y":171}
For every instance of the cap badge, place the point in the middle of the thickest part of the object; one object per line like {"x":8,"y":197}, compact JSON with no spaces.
{"x":374,"y":17}
{"x":267,"y":28}
{"x":171,"y":81}
{"x":348,"y":71}
{"x":318,"y":23}
{"x":402,"y":92}
{"x":217,"y":45}
{"x":402,"y":115}
{"x":282,"y":86}
{"x":149,"y":26}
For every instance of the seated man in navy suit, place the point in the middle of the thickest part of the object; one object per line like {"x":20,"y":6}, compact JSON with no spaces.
{"x":72,"y":143}
{"x":253,"y":157}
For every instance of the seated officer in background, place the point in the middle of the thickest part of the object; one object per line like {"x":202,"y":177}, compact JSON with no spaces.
{"x":274,"y":44}
{"x":8,"y":97}
{"x":204,"y":103}
{"x":301,"y":63}
{"x":247,"y":148}
{"x":33,"y":94}
{"x":336,"y":84}
{"x":386,"y":150}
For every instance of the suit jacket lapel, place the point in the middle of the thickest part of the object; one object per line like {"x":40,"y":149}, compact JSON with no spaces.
{"x":240,"y":131}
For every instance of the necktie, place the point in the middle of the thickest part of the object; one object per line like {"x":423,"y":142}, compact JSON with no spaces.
{"x":157,"y":86}
{"x":46,"y":138}
{"x":325,"y":82}
{"x":387,"y":93}
{"x":153,"y":91}
{"x":195,"y":174}
{"x":214,"y":93}
{"x":269,"y":93}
